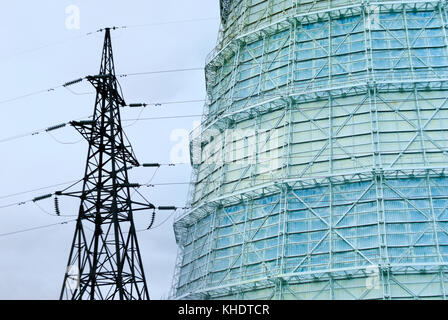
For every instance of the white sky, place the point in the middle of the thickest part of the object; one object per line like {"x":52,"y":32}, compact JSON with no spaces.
{"x":32,"y":264}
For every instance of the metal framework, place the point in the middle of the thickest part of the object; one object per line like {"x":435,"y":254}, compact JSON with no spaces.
{"x":337,"y":189}
{"x":105,"y":261}
{"x":224,"y":6}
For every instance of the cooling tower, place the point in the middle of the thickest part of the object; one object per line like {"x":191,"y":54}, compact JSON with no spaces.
{"x":319,"y":169}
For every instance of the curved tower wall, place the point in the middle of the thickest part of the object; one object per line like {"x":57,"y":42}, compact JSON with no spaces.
{"x":320,"y":164}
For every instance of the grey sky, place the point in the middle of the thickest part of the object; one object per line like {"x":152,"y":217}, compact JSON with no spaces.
{"x":32,"y":264}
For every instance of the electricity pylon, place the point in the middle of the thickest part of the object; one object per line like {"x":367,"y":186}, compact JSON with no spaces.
{"x":105,"y":261}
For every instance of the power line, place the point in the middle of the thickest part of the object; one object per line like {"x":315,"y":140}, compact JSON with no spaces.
{"x":64,"y":85}
{"x":148,"y":184}
{"x":167,"y":117}
{"x":35,"y":228}
{"x":63,"y":142}
{"x":2,"y":235}
{"x":79,"y":93}
{"x":21,"y":203}
{"x":36,"y":132}
{"x":13,"y":204}
{"x":57,"y":211}
{"x":73,"y":220}
{"x":156,"y":165}
{"x":44,"y":46}
{"x":151,"y":227}
{"x":70,"y":83}
{"x":124,"y":75}
{"x":62,"y":125}
{"x":178,"y":102}
{"x":50,"y":195}
{"x":35,"y":93}
{"x":38,"y":189}
{"x":72,"y":182}
{"x":84,"y":35}
{"x":170,"y":22}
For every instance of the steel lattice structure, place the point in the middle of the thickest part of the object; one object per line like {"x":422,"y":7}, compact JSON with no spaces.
{"x":339,"y":189}
{"x":105,"y":261}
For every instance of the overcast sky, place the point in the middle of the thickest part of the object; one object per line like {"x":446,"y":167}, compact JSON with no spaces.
{"x":40,"y":52}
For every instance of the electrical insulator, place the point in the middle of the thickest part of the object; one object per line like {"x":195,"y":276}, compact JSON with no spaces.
{"x":153,"y":218}
{"x":167,"y":208}
{"x":42,"y":197}
{"x":130,"y":185}
{"x":70,"y":83}
{"x":83,"y":122}
{"x":56,"y":206}
{"x":151,"y":165}
{"x":59,"y":126}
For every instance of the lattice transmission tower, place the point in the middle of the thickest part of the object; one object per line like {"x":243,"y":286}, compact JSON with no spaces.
{"x":105,"y":261}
